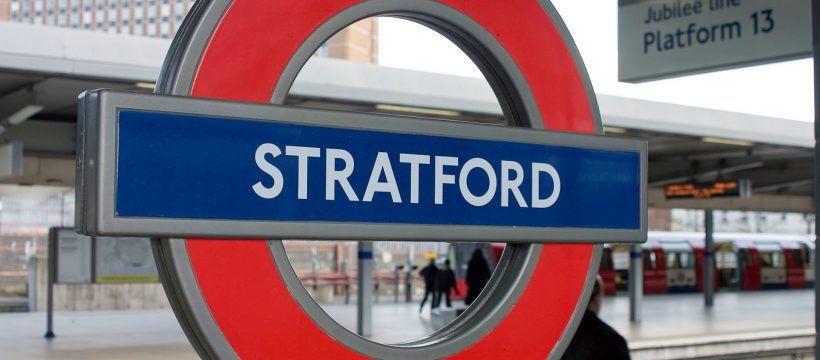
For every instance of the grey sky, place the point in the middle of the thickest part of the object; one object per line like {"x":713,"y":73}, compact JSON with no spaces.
{"x":780,"y":90}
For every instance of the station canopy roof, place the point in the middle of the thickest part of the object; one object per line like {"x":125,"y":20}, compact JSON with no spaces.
{"x":44,"y":69}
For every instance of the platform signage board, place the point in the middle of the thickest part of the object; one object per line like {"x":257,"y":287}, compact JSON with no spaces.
{"x":350,"y":176}
{"x":124,"y":260}
{"x":74,"y":254}
{"x":666,"y":38}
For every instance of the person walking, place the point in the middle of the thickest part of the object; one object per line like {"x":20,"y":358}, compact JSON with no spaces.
{"x":594,"y":339}
{"x":429,"y":273}
{"x":478,"y":274}
{"x":445,"y":280}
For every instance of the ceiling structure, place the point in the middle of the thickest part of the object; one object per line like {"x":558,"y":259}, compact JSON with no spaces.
{"x":685,"y":143}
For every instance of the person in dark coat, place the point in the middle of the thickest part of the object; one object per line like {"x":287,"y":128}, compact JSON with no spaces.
{"x":594,"y":339}
{"x":478,"y":274}
{"x":445,"y":280}
{"x":429,"y":273}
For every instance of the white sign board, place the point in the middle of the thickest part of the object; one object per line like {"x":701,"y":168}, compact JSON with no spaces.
{"x":666,"y":38}
{"x":11,"y":160}
{"x":73,"y":257}
{"x":124,"y":260}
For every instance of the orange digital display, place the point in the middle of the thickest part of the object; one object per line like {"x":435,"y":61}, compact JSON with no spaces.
{"x":706,"y":190}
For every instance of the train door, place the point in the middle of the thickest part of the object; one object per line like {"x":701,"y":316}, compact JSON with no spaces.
{"x":795,"y":276}
{"x":620,"y":264}
{"x":807,"y":255}
{"x":772,"y":266}
{"x":750,"y":265}
{"x":727,"y":259}
{"x":680,"y":266}
{"x":607,"y":271}
{"x":697,"y":249}
{"x":654,"y":271}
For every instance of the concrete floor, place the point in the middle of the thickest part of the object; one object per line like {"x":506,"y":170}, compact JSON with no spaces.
{"x":156,"y":334}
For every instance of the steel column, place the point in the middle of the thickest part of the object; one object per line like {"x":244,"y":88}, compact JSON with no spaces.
{"x":708,"y":260}
{"x":815,"y":20}
{"x":635,"y":282}
{"x":364,"y":302}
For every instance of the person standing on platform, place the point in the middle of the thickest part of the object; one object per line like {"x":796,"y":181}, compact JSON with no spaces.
{"x":594,"y":339}
{"x":445,"y":280}
{"x":478,"y":274}
{"x":429,"y":273}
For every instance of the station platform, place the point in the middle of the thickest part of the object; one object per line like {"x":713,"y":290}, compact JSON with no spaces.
{"x":672,"y":325}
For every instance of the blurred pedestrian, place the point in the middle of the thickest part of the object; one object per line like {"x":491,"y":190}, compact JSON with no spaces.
{"x":478,"y":274}
{"x":594,"y":339}
{"x":429,"y":274}
{"x":445,"y":280}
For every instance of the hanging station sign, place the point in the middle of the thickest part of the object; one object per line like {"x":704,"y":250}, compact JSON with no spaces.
{"x":666,"y":38}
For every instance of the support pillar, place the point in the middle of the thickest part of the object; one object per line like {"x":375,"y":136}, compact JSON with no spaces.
{"x":635,"y":282}
{"x":364,"y":303}
{"x":51,"y":278}
{"x":815,"y":25}
{"x":709,"y":260}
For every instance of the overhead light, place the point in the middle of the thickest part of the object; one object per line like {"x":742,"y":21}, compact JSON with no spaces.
{"x":717,"y":140}
{"x":613,"y":130}
{"x":23,"y":114}
{"x":146,"y":85}
{"x":417,"y":110}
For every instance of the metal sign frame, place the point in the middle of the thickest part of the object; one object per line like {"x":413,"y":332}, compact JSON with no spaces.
{"x":98,"y":160}
{"x":241,"y":298}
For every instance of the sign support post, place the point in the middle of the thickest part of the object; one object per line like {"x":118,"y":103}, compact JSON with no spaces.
{"x":635,"y":282}
{"x":51,"y":278}
{"x":709,"y":260}
{"x":364,"y":302}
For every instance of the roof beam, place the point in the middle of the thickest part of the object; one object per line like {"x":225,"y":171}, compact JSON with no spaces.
{"x":18,"y":106}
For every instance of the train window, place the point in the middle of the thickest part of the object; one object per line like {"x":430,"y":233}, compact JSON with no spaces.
{"x":650,"y":260}
{"x":777,"y":260}
{"x":766,"y":259}
{"x":797,"y":257}
{"x":772,"y":259}
{"x":679,"y":260}
{"x":726,"y":260}
{"x":672,"y":260}
{"x":606,"y":260}
{"x":620,"y":258}
{"x":804,"y":255}
{"x":686,"y":260}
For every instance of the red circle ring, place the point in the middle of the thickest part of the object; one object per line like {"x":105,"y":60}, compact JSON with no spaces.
{"x":238,"y":279}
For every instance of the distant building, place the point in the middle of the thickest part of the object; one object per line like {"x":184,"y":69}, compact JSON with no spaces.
{"x":162,"y":18}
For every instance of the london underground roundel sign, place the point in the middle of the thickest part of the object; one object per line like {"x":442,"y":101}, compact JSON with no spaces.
{"x":213,"y":170}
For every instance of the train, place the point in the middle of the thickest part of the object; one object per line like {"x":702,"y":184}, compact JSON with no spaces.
{"x":673,"y":262}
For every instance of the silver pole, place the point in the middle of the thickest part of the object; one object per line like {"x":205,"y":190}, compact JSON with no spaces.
{"x":364,"y":303}
{"x":635,"y":282}
{"x":51,"y":275}
{"x":709,"y":260}
{"x":815,"y":21}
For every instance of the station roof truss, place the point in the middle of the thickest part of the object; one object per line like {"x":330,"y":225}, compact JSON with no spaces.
{"x":41,"y":84}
